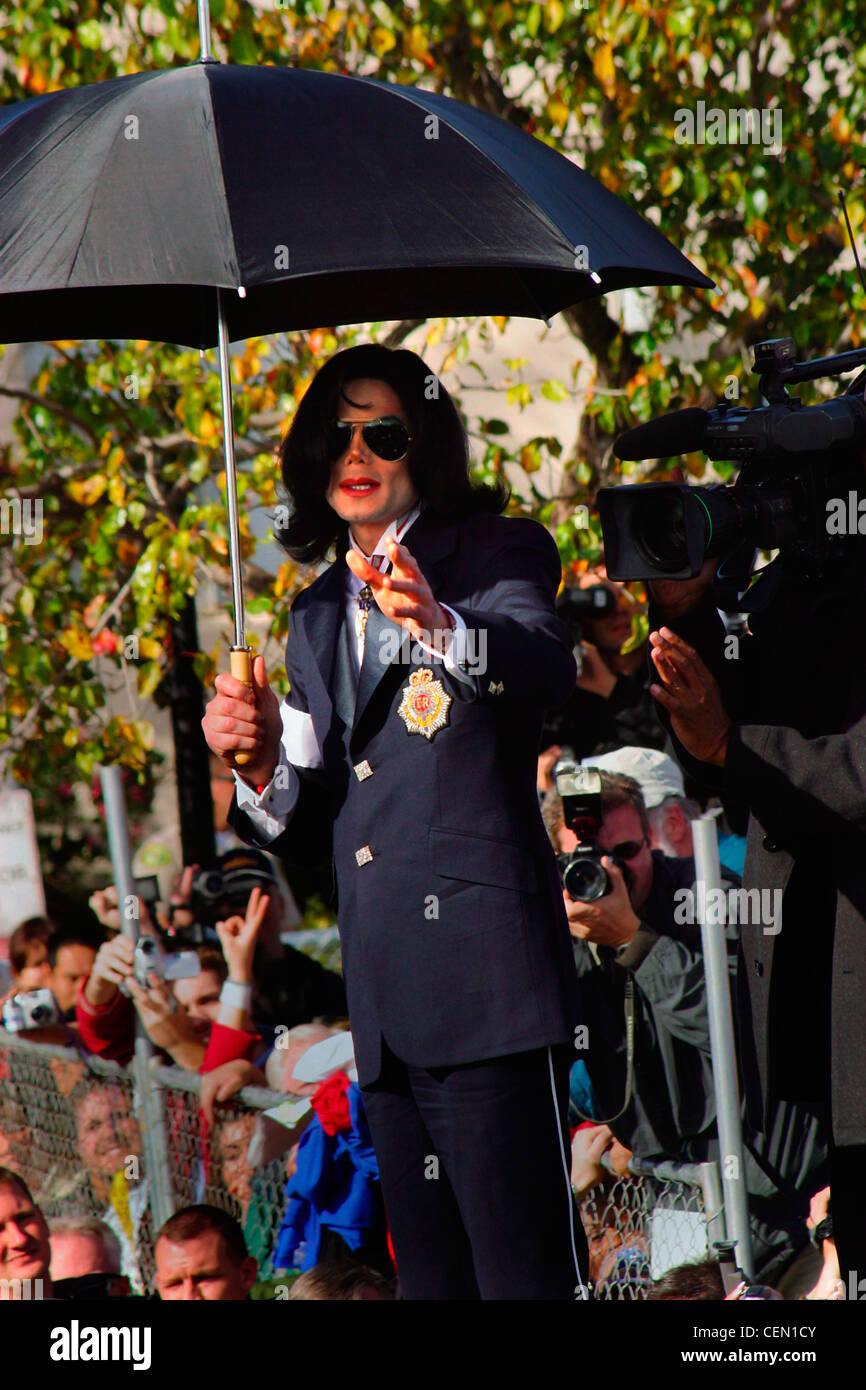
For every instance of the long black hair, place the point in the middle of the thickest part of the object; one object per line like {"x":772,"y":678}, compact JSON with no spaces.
{"x":438,"y":458}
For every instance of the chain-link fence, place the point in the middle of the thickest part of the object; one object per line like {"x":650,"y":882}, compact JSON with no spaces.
{"x":658,"y":1216}
{"x":73,"y":1127}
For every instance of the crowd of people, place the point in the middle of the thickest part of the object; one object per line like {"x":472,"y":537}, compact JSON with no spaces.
{"x":250,"y":1009}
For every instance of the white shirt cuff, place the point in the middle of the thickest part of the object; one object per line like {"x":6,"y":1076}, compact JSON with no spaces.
{"x":454,"y":657}
{"x":271,"y":809}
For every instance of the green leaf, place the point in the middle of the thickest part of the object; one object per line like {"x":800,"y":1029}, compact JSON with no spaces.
{"x":243,"y":47}
{"x":89,"y":34}
{"x":554,"y":391}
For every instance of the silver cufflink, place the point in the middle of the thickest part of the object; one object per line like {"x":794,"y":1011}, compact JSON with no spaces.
{"x":362,"y":770}
{"x":364,"y":855}
{"x":495,"y":689}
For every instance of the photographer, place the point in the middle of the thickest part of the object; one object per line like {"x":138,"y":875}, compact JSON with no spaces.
{"x":611,"y":704}
{"x":635,"y":934}
{"x":200,"y":1022}
{"x":790,"y":741}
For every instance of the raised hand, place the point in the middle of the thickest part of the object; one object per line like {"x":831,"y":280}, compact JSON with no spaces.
{"x":691,"y":695}
{"x":403,"y":595}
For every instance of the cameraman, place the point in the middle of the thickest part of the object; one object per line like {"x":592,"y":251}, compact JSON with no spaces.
{"x":789,"y":739}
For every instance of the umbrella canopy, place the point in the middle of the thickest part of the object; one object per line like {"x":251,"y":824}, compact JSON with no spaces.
{"x":323,"y":198}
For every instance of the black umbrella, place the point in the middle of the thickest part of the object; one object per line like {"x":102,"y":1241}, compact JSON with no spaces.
{"x":211,"y":203}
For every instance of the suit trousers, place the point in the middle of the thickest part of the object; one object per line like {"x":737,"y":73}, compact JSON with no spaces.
{"x":475,"y":1164}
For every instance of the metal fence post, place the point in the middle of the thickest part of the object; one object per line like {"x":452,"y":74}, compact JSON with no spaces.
{"x":724,"y":1061}
{"x":160,"y":1192}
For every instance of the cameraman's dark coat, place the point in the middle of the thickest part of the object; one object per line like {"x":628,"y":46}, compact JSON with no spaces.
{"x":455,"y":942}
{"x":796,"y":689}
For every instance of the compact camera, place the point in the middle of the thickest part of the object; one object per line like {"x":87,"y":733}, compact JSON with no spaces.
{"x":151,"y":959}
{"x":35,"y":1008}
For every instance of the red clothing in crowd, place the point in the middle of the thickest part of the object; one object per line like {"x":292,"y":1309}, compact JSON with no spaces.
{"x":108,"y":1030}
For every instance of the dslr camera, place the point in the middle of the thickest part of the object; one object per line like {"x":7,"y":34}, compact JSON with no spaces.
{"x":34,"y":1008}
{"x":584,"y":877}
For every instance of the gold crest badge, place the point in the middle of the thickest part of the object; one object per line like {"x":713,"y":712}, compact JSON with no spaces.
{"x":425,"y":704}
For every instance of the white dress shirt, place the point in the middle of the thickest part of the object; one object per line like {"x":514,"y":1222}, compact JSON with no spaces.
{"x":271,"y":809}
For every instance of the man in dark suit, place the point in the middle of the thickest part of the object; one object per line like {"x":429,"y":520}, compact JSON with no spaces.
{"x":779,"y":725}
{"x":420,"y":664}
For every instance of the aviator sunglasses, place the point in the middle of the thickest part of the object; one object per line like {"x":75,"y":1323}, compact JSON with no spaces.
{"x":629,"y":849}
{"x":388,"y":438}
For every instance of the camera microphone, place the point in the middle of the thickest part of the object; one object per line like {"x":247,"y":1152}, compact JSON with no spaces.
{"x":679,"y":433}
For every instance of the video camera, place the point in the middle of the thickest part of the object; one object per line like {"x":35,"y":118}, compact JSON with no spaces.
{"x":794,"y":459}
{"x":584,"y":877}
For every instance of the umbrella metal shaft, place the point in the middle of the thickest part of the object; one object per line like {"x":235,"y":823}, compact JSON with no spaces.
{"x":204,"y":30}
{"x":231,"y":475}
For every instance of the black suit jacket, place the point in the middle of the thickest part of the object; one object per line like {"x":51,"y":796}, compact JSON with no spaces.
{"x":455,"y":942}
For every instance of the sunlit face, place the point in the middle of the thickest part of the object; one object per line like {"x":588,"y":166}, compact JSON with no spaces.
{"x":107,"y":1131}
{"x":618,"y":827}
{"x":200,"y":1270}
{"x":73,"y":964}
{"x":234,"y":1142}
{"x":200,"y":997}
{"x":365,"y":490}
{"x":24,"y":1249}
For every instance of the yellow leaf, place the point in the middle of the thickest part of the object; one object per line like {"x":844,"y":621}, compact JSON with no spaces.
{"x":436,"y":333}
{"x":117,"y":491}
{"x":500,"y":321}
{"x":415,"y":42}
{"x":86,"y":491}
{"x":449,"y":361}
{"x":603,"y":67}
{"x":670,"y":180}
{"x":208,"y":427}
{"x":149,"y":649}
{"x":76,"y":643}
{"x":554,"y":13}
{"x":70,"y":738}
{"x":757,"y":307}
{"x":558,"y":112}
{"x":382,"y":41}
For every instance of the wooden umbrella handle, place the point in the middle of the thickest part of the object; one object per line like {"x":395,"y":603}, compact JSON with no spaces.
{"x":241,"y":659}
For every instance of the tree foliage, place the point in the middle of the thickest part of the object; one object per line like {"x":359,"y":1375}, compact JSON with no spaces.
{"x":122,"y":440}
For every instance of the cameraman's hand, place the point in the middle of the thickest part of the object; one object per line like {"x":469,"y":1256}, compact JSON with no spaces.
{"x":238,"y":936}
{"x":676,"y":597}
{"x":609,"y":921}
{"x":113,"y":965}
{"x":249,"y":720}
{"x":595,"y":675}
{"x":691,"y":695}
{"x":546,"y":763}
